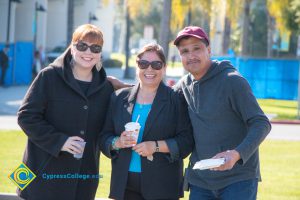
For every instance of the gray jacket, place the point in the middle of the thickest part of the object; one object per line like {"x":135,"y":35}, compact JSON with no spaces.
{"x":225,"y":115}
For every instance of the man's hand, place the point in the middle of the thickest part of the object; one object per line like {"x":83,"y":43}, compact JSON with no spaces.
{"x":117,"y":84}
{"x":231,"y":157}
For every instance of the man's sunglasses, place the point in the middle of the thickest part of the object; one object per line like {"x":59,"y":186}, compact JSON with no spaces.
{"x":81,"y":46}
{"x":144,"y":64}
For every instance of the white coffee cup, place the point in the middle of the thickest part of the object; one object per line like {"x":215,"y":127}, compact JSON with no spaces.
{"x":134,"y":128}
{"x":79,"y":155}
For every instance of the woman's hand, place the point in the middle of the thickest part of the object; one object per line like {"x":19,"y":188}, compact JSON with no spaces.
{"x":145,"y":148}
{"x":125,"y":140}
{"x":72,"y":146}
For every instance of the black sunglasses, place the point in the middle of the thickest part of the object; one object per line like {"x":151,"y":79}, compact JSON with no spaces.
{"x":81,"y":46}
{"x":144,"y":64}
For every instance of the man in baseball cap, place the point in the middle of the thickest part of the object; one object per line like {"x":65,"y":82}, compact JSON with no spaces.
{"x":227,"y":121}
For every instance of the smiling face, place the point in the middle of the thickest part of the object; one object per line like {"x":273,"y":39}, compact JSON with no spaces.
{"x":150,"y":77}
{"x":195,"y":56}
{"x":85,"y":59}
{"x":90,"y":35}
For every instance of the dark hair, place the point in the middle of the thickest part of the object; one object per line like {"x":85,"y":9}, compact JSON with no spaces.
{"x":153,"y":47}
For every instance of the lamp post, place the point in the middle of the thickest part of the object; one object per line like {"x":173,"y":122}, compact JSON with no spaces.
{"x":92,"y":17}
{"x":8,"y":19}
{"x":36,"y":10}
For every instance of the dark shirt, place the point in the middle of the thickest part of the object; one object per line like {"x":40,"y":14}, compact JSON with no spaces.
{"x":84,"y":85}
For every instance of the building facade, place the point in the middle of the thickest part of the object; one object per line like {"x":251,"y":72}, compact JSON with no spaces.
{"x":29,"y":25}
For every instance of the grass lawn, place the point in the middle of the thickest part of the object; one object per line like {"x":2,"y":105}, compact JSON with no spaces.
{"x":279,"y":165}
{"x":283,"y":108}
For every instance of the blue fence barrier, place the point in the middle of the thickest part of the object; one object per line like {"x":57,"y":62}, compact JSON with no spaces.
{"x":20,"y":63}
{"x":269,"y":78}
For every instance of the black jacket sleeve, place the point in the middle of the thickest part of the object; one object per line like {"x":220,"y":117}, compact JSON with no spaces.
{"x":107,"y":134}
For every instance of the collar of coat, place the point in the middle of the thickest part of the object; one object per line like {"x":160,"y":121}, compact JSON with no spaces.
{"x":63,"y":67}
{"x":160,"y":101}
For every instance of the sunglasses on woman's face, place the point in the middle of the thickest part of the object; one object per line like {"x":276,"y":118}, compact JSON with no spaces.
{"x":144,"y":64}
{"x":81,"y":46}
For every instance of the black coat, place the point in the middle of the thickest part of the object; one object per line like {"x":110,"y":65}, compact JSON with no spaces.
{"x":168,"y":120}
{"x":54,"y":109}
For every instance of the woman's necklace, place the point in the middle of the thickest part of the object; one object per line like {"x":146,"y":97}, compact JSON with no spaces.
{"x":144,"y":99}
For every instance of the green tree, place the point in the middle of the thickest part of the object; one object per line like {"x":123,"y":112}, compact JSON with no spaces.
{"x":286,"y":17}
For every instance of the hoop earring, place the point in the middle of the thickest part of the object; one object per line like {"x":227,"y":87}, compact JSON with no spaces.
{"x":99,"y":66}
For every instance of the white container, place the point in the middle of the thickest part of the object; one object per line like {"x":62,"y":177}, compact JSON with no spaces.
{"x":79,"y":155}
{"x":134,"y":128}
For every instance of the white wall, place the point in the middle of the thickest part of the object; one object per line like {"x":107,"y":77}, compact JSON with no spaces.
{"x":52,"y":24}
{"x":56,"y":23}
{"x":3,"y":20}
{"x":25,"y":22}
{"x":105,"y":15}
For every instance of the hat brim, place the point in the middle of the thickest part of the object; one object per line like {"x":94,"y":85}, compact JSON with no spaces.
{"x":176,"y":41}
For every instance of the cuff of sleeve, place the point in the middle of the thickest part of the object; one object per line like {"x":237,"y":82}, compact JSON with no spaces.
{"x":174,"y":150}
{"x":108,"y":146}
{"x":243,"y":158}
{"x":62,"y":140}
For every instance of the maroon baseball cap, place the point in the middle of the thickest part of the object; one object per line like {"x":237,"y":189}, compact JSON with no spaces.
{"x":192,"y":31}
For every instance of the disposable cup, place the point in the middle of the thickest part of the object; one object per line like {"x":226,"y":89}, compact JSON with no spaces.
{"x":134,"y":128}
{"x":79,"y":155}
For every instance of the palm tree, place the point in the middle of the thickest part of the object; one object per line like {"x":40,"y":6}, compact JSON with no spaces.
{"x":165,"y":26}
{"x":246,"y":23}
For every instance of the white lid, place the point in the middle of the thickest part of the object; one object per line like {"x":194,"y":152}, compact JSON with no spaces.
{"x":132,"y":126}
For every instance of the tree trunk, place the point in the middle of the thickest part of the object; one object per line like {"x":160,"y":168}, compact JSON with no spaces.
{"x":226,"y":36}
{"x":165,"y":26}
{"x":70,"y":21}
{"x":270,"y":35}
{"x":127,"y":37}
{"x":246,"y":22}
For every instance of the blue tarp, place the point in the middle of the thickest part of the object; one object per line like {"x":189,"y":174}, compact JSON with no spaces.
{"x":23,"y":66}
{"x":269,"y":78}
{"x":20,"y":63}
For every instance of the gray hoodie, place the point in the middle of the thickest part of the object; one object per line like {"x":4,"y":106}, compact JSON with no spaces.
{"x":225,"y":115}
